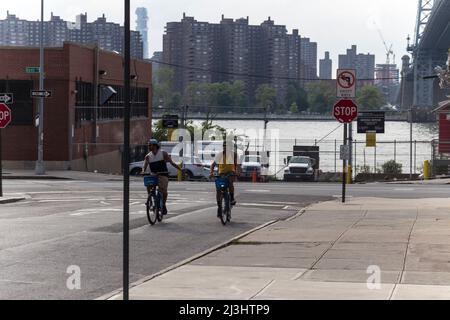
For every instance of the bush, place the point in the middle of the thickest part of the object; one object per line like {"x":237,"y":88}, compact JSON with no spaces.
{"x":392,"y":167}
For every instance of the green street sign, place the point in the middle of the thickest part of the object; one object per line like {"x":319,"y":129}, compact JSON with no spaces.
{"x":33,"y":70}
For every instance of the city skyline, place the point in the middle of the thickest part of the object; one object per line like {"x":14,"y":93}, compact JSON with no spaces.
{"x":395,"y":19}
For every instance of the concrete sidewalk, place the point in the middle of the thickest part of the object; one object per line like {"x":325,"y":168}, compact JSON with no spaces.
{"x":366,"y":249}
{"x":59,"y":175}
{"x":443,"y":181}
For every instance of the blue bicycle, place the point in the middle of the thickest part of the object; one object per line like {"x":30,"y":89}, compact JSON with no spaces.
{"x":154,"y":202}
{"x":224,"y":198}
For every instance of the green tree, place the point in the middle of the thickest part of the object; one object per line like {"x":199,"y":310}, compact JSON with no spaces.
{"x":294,"y":107}
{"x":298,"y":95}
{"x":370,"y":98}
{"x":192,"y":94}
{"x":320,"y":97}
{"x":265,"y":96}
{"x":159,"y":132}
{"x":162,"y":90}
{"x":238,"y":95}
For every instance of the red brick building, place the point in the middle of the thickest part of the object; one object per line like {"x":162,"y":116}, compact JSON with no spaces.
{"x":78,"y":133}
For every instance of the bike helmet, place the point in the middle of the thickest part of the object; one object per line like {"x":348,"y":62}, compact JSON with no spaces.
{"x":153,"y":142}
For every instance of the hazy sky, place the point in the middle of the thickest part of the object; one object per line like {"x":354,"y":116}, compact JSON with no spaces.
{"x":334,"y":24}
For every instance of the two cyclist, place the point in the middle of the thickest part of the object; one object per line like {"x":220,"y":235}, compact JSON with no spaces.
{"x":228,"y":167}
{"x":157,"y":160}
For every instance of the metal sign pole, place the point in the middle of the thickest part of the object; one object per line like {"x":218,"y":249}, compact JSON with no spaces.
{"x":126,"y":157}
{"x":1,"y":166}
{"x":40,"y":167}
{"x":344,"y":174}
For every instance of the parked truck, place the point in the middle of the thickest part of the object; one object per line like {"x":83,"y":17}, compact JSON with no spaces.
{"x":304,"y":165}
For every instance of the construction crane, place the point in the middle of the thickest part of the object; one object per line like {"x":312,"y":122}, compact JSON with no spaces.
{"x":389,"y":50}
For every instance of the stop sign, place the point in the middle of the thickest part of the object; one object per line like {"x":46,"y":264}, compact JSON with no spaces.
{"x":5,"y":115}
{"x":345,"y":111}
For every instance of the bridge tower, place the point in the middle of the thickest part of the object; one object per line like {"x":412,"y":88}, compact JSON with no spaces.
{"x":423,"y":15}
{"x":423,"y":62}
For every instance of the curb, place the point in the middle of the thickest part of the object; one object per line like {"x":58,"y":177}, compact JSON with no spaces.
{"x":11,"y":200}
{"x":34,"y":178}
{"x":187,"y":261}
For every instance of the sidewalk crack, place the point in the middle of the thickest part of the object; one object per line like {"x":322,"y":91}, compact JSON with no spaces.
{"x":263,"y":289}
{"x":400,"y":277}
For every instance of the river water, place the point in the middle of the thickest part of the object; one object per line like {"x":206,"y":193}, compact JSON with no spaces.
{"x":328,"y":135}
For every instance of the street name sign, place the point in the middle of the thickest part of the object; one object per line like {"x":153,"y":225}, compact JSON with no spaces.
{"x":41,"y":94}
{"x":346,"y":83}
{"x":32,"y":69}
{"x":7,"y":98}
{"x":345,"y":111}
{"x":5,"y":116}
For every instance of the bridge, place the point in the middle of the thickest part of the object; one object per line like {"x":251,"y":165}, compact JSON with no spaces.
{"x":429,"y":50}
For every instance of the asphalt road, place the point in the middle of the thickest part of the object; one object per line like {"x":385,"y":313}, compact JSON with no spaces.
{"x":79,"y":223}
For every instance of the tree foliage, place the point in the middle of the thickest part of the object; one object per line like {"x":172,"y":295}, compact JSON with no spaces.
{"x":266,"y":97}
{"x":370,"y":98}
{"x":320,"y":97}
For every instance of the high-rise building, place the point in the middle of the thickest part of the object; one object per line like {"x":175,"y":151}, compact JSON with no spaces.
{"x":234,"y":50}
{"x":109,"y":36}
{"x":13,"y":31}
{"x":157,"y":57}
{"x":364,"y":64}
{"x":388,"y":81}
{"x":326,"y":67}
{"x":308,"y":60}
{"x":142,"y":28}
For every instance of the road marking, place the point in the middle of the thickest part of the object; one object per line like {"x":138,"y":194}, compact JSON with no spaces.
{"x":282,"y":203}
{"x":86,"y":212}
{"x":258,"y":191}
{"x":66,"y":200}
{"x":404,"y":189}
{"x":259,"y":205}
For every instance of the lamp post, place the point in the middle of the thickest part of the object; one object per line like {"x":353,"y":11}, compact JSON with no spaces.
{"x":40,"y":166}
{"x":126,"y":156}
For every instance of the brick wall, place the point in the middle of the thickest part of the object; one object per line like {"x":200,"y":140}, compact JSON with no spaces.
{"x":64,"y":66}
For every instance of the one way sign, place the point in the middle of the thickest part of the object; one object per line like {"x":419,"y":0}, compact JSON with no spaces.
{"x":7,"y":98}
{"x":41,"y":94}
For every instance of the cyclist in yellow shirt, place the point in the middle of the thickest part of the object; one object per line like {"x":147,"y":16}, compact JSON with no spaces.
{"x":228,"y":167}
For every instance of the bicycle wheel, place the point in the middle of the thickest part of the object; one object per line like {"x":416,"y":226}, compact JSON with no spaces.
{"x":152,"y":210}
{"x":225,"y":207}
{"x":160,"y":207}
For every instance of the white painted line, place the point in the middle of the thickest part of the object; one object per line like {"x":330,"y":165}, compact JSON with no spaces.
{"x":282,"y":203}
{"x":86,"y":212}
{"x":259,"y":205}
{"x":258,"y":191}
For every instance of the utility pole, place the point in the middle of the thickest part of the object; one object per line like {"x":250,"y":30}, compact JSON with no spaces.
{"x":350,"y":146}
{"x":126,"y":157}
{"x":266,"y":122}
{"x":40,"y":166}
{"x":411,"y":143}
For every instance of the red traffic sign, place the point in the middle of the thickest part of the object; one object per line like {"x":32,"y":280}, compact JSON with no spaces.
{"x":5,"y":115}
{"x":345,"y":111}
